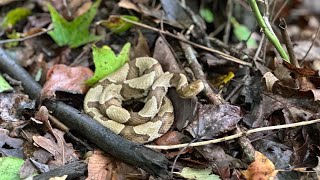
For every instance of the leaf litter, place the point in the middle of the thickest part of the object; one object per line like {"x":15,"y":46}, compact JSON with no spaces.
{"x":273,"y":94}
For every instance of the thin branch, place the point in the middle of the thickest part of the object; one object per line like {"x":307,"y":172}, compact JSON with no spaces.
{"x":214,"y":141}
{"x":224,"y":55}
{"x":287,"y":42}
{"x":313,"y":40}
{"x":280,"y":10}
{"x":25,"y":38}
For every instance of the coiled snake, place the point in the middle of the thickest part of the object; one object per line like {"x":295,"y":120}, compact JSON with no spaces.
{"x":141,"y":79}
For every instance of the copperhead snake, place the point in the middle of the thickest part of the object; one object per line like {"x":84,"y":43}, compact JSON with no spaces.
{"x":141,"y":79}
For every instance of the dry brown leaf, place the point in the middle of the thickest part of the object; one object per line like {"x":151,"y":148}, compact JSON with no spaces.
{"x":261,"y":169}
{"x":270,"y":79}
{"x":99,"y":166}
{"x":126,"y":4}
{"x":171,"y":138}
{"x":63,"y":152}
{"x":43,"y":115}
{"x":214,"y":120}
{"x":64,"y":78}
{"x":142,"y":48}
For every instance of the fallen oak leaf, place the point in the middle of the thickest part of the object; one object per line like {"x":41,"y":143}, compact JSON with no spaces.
{"x":102,"y":166}
{"x":68,"y":79}
{"x":63,"y":152}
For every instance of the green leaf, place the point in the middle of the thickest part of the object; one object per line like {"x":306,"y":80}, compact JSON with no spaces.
{"x":10,"y":167}
{"x":242,"y":33}
{"x":4,"y":86}
{"x":14,"y":16}
{"x":76,"y":32}
{"x":106,"y":62}
{"x":13,"y":35}
{"x":117,"y":25}
{"x":207,"y":15}
{"x":198,"y":174}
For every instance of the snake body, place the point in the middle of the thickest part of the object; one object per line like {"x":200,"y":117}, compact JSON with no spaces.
{"x":141,"y":79}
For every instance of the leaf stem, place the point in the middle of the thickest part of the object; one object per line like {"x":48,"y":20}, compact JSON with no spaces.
{"x":268,"y":30}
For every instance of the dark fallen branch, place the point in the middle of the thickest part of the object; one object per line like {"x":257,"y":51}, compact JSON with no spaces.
{"x":151,"y":161}
{"x":73,"y":170}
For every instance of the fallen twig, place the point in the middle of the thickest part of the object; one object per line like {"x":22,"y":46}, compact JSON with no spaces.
{"x":25,"y":38}
{"x":216,"y":99}
{"x":227,"y":138}
{"x":224,"y":55}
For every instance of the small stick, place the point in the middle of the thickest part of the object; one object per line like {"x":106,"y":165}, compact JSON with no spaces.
{"x":313,"y":41}
{"x":287,"y":42}
{"x":227,"y":138}
{"x":198,"y":73}
{"x":226,"y":56}
{"x":25,"y":38}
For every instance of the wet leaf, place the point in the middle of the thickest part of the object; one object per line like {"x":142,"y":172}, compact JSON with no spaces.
{"x":4,"y":85}
{"x":242,"y":33}
{"x":9,"y":167}
{"x":67,"y":79}
{"x":14,"y":16}
{"x":262,"y":168}
{"x":207,"y":15}
{"x":76,"y":32}
{"x":107,"y":62}
{"x":117,"y":25}
{"x":198,"y":174}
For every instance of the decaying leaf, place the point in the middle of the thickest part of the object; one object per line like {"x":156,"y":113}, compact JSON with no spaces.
{"x":198,"y":174}
{"x":214,"y":121}
{"x":76,"y":32}
{"x":117,"y":25}
{"x":68,"y":79}
{"x":11,"y":104}
{"x":107,"y":62}
{"x":10,"y":146}
{"x":102,"y":166}
{"x":63,"y":152}
{"x":262,"y":168}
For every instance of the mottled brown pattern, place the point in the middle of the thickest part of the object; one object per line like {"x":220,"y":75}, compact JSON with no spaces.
{"x":148,"y":123}
{"x":129,"y":133}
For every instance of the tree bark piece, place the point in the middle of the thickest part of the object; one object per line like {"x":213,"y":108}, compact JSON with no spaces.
{"x":149,"y":160}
